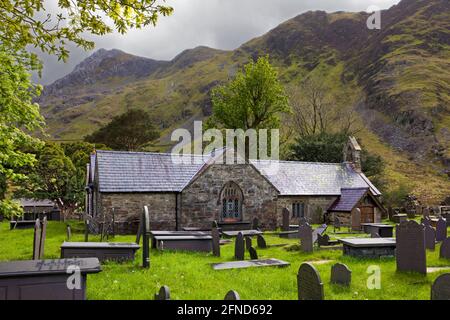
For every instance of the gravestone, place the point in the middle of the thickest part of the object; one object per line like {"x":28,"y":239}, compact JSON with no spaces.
{"x":248,"y":242}
{"x":163,"y":294}
{"x":341,"y":274}
{"x":239,"y":247}
{"x":356,"y":220}
{"x":43,"y":236}
{"x":216,"y":241}
{"x":145,"y":238}
{"x":286,"y":220}
{"x":430,"y":237}
{"x":445,"y":249}
{"x":139,"y":231}
{"x":411,"y":251}
{"x":306,"y":238}
{"x":261,"y":242}
{"x":232,"y":295}
{"x":253,"y":253}
{"x":441,"y":230}
{"x":68,"y":233}
{"x":426,"y":221}
{"x":440,"y":290}
{"x":337,"y":224}
{"x":309,"y":284}
{"x":426,"y":212}
{"x":255,"y":223}
{"x":37,"y":239}
{"x":390,"y":214}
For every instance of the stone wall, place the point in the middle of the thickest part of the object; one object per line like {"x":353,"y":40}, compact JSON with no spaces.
{"x":315,"y":207}
{"x":201,"y":204}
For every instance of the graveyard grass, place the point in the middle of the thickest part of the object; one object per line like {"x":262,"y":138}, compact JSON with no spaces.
{"x":190,"y":275}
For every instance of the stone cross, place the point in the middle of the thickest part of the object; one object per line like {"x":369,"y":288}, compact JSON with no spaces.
{"x":164,"y":293}
{"x":248,"y":242}
{"x":232,"y":295}
{"x":341,"y":274}
{"x":261,"y":242}
{"x":239,"y":247}
{"x":440,"y":290}
{"x":286,"y":220}
{"x":309,"y":284}
{"x":430,"y":237}
{"x":306,"y":238}
{"x":145,"y":238}
{"x":36,"y":239}
{"x":445,"y":249}
{"x":441,"y":229}
{"x":411,"y":251}
{"x":253,"y":253}
{"x":216,"y":241}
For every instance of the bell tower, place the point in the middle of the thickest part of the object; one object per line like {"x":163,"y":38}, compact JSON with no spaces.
{"x":352,"y":153}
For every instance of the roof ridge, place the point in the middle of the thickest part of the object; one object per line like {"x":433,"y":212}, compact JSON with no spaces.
{"x":153,"y":153}
{"x":303,"y":162}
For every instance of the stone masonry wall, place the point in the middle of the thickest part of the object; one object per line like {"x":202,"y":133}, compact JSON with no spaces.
{"x":315,"y":207}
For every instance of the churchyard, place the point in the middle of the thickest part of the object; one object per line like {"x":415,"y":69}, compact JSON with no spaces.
{"x":190,"y":275}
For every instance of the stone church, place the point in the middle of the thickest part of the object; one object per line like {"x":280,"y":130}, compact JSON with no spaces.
{"x":195,"y":193}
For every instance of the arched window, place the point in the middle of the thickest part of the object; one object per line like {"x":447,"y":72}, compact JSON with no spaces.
{"x":231,"y":199}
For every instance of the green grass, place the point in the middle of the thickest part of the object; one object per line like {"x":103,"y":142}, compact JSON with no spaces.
{"x":190,"y":276}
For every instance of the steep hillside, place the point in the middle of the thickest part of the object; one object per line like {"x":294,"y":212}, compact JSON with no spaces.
{"x":401,"y":72}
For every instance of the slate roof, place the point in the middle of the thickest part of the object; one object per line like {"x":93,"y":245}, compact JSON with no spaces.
{"x":145,"y":172}
{"x":348,"y":200}
{"x":312,"y":178}
{"x":36,"y":203}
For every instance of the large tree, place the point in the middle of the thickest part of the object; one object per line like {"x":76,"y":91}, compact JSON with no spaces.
{"x":129,"y":131}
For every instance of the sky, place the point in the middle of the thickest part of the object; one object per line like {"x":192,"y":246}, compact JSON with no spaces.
{"x":221,"y":24}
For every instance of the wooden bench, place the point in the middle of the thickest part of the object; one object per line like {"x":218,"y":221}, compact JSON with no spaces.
{"x":22,"y":224}
{"x":185,"y":243}
{"x":101,"y":250}
{"x":45,"y":279}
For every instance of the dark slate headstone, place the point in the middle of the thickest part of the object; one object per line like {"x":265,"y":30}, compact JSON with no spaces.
{"x":430,"y":237}
{"x":426,"y":212}
{"x":426,"y":221}
{"x":445,"y":249}
{"x":216,"y":241}
{"x":37,"y":239}
{"x":253,"y":253}
{"x":261,"y":242}
{"x":341,"y":274}
{"x":286,"y":220}
{"x":356,"y":220}
{"x":43,"y":236}
{"x":248,"y":242}
{"x":306,"y":237}
{"x":336,"y":224}
{"x":68,"y":232}
{"x":440,"y":290}
{"x":411,"y":252}
{"x":255,"y":223}
{"x":309,"y":284}
{"x":145,"y":238}
{"x":163,"y":294}
{"x":232,"y":295}
{"x":390,"y":214}
{"x":239,"y":247}
{"x":441,"y":230}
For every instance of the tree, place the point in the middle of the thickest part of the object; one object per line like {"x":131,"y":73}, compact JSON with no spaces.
{"x":129,"y":131}
{"x":254,"y":99}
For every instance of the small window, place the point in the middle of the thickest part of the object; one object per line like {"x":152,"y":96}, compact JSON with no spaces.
{"x":298,"y":210}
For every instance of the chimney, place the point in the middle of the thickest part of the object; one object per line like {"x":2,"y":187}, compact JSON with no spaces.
{"x":352,"y":154}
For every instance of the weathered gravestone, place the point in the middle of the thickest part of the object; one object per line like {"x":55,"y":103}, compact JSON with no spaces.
{"x":163,"y":294}
{"x":248,"y":242}
{"x":336,"y":224}
{"x":261,"y":242}
{"x":232,"y":295}
{"x":253,"y":253}
{"x":306,"y":237}
{"x":309,"y":284}
{"x":341,"y":274}
{"x":356,"y":220}
{"x":426,"y":212}
{"x":216,"y":241}
{"x":440,"y":290}
{"x":239,"y":247}
{"x":390,"y":214}
{"x":145,"y":238}
{"x":430,"y":237}
{"x":426,"y":221}
{"x":43,"y":236}
{"x":445,"y":249}
{"x":37,"y":240}
{"x":286,"y":220}
{"x":68,"y":232}
{"x":411,"y":252}
{"x":255,"y":223}
{"x":441,"y":230}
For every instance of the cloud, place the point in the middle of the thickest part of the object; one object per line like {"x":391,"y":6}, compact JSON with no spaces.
{"x":222,"y":24}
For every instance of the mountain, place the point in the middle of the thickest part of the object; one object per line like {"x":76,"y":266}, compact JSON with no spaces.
{"x":402,"y":73}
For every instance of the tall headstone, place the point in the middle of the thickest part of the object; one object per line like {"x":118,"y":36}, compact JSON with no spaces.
{"x":43,"y":236}
{"x":68,"y":232}
{"x":253,"y":253}
{"x":341,"y":274}
{"x":441,"y":230}
{"x":239,"y":247}
{"x":286,"y":220}
{"x":309,"y":284}
{"x":430,"y":237}
{"x":232,"y":295}
{"x":139,"y":231}
{"x":37,"y":239}
{"x":390,"y":214}
{"x":216,"y":241}
{"x":163,"y":294}
{"x":440,"y":290}
{"x":445,"y":249}
{"x":305,"y":233}
{"x":261,"y":242}
{"x":145,"y":238}
{"x":356,"y":220}
{"x":411,"y":252}
{"x":255,"y":223}
{"x":426,"y":221}
{"x":248,"y":242}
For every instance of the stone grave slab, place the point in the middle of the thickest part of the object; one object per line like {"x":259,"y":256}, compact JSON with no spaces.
{"x":250,"y":264}
{"x":411,"y":250}
{"x":440,"y":290}
{"x":341,"y":274}
{"x":309,"y":284}
{"x":102,"y":250}
{"x":232,"y":234}
{"x":184,"y":243}
{"x":368,"y":247}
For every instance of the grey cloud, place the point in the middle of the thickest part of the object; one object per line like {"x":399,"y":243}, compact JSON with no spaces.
{"x":222,"y":24}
